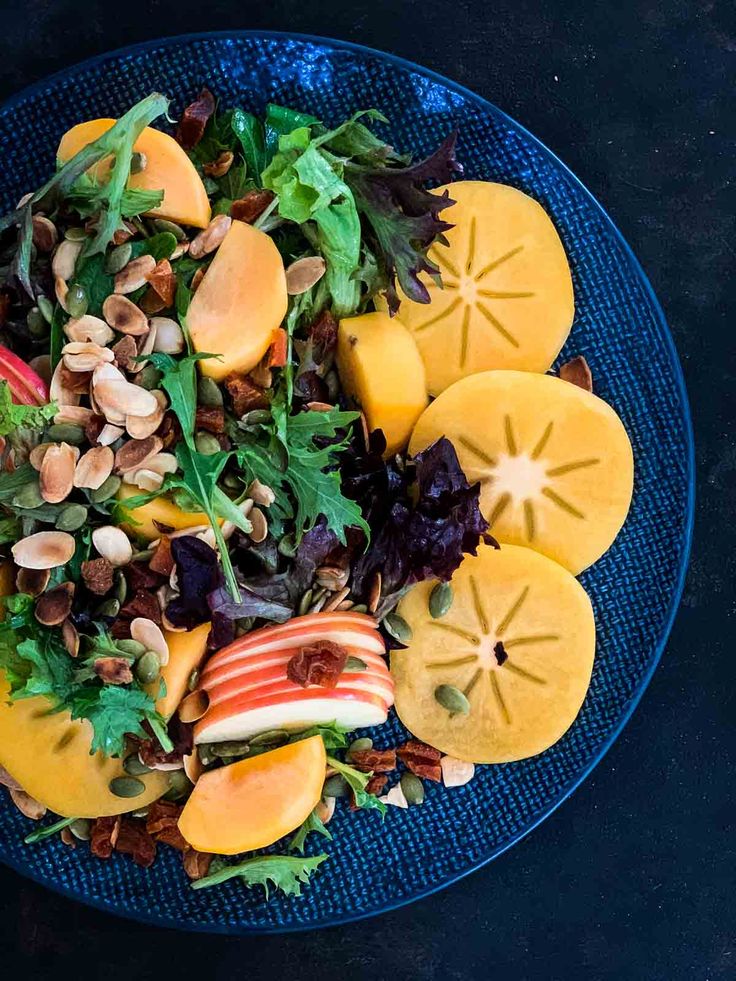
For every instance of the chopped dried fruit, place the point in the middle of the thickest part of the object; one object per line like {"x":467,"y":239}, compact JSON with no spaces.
{"x":320,"y":663}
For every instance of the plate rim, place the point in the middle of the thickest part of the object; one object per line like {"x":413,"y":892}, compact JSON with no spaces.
{"x":15,"y":100}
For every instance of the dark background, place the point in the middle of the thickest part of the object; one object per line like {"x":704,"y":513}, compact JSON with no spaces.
{"x":634,"y":877}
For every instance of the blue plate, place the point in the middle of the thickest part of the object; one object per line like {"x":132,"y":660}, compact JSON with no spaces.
{"x":635,"y":588}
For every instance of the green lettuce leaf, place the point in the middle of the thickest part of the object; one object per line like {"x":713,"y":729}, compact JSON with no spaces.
{"x":14,"y":416}
{"x":313,"y":823}
{"x":286,"y":873}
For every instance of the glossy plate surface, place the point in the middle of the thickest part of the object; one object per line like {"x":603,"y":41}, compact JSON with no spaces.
{"x":635,"y":588}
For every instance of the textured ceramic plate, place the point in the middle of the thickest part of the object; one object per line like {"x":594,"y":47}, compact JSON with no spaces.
{"x":619,"y":327}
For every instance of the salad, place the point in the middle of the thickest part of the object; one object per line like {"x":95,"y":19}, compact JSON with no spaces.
{"x":275,"y":404}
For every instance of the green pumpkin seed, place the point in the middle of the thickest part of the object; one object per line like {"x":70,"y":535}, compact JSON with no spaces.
{"x":143,"y":556}
{"x":193,"y":680}
{"x":133,"y":766}
{"x":207,"y":444}
{"x":72,"y":517}
{"x":119,"y":258}
{"x":127,"y":787}
{"x":148,"y":378}
{"x":413,"y":788}
{"x":229,"y":749}
{"x":206,"y":756}
{"x":332,"y":382}
{"x":66,"y":432}
{"x":36,"y":323}
{"x":256,"y":417}
{"x":179,"y":785}
{"x":287,"y":546}
{"x":81,"y":828}
{"x":121,"y":587}
{"x":76,"y":300}
{"x":162,"y":225}
{"x":46,"y":307}
{"x":232,"y":482}
{"x":452,"y":699}
{"x":305,"y":602}
{"x":29,"y":496}
{"x":360,"y":745}
{"x":208,"y":393}
{"x":75,"y":234}
{"x":107,"y":489}
{"x":355,"y":664}
{"x":359,"y":608}
{"x":440,"y":600}
{"x":110,"y":608}
{"x":335,"y":786}
{"x":138,"y":162}
{"x":148,"y":668}
{"x":132,"y":647}
{"x":397,"y":626}
{"x":274,"y":737}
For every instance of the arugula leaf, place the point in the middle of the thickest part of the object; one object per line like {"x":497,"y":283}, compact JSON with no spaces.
{"x":250,"y":132}
{"x":312,"y":823}
{"x":14,"y":416}
{"x":10,"y":530}
{"x":357,"y":782}
{"x":11,"y":483}
{"x":160,"y":246}
{"x":179,"y":381}
{"x":285,"y":872}
{"x":113,"y":710}
{"x":97,"y":283}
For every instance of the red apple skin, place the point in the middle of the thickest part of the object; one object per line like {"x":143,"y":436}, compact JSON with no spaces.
{"x":26,"y":386}
{"x":248,"y":663}
{"x":259,"y":684}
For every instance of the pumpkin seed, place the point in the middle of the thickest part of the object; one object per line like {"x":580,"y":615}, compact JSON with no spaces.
{"x":206,"y":444}
{"x":359,"y":608}
{"x":110,"y":608}
{"x":179,"y":785}
{"x":255,"y":417}
{"x":46,"y":307}
{"x":148,"y":668}
{"x":440,"y":600}
{"x":106,"y":490}
{"x":81,"y":829}
{"x":397,"y":626}
{"x":119,"y":258}
{"x":36,"y":323}
{"x":229,"y":749}
{"x":332,"y":382}
{"x":413,"y":788}
{"x":305,"y":602}
{"x":133,"y":766}
{"x":29,"y":496}
{"x":148,"y":378}
{"x":335,"y":786}
{"x":360,"y":745}
{"x":127,"y":787}
{"x":355,"y":664}
{"x":76,"y":300}
{"x":132,"y":647}
{"x":163,"y":225}
{"x":274,"y":737}
{"x":208,"y":392}
{"x":75,"y":234}
{"x":71,"y":517}
{"x":121,"y":587}
{"x":206,"y":756}
{"x":66,"y":432}
{"x":287,"y":546}
{"x":138,"y":162}
{"x":193,"y":680}
{"x":452,"y":699}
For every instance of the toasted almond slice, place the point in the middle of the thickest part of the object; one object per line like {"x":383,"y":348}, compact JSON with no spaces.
{"x":304,"y":273}
{"x":181,"y":249}
{"x":109,"y":433}
{"x":65,"y":259}
{"x":163,"y":463}
{"x":144,"y":348}
{"x":124,"y":399}
{"x":70,"y":636}
{"x":44,"y":550}
{"x":60,"y":390}
{"x":194,"y":706}
{"x":27,"y":805}
{"x":211,"y":238}
{"x":124,"y":316}
{"x":88,"y":329}
{"x":456,"y":773}
{"x":324,"y":809}
{"x":136,"y":452}
{"x":145,"y":480}
{"x":32,"y":581}
{"x":107,"y":372}
{"x":77,"y":415}
{"x":169,"y":335}
{"x":81,"y":356}
{"x":45,"y":235}
{"x":113,"y":544}
{"x":35,"y":457}
{"x":139,"y":427}
{"x":61,"y":291}
{"x":134,"y":275}
{"x":395,"y":797}
{"x":94,"y":467}
{"x":146,"y":632}
{"x":260,"y":525}
{"x":261,"y":494}
{"x":56,"y":479}
{"x":193,"y":766}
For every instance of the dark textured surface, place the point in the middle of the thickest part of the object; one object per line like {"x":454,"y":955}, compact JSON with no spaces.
{"x":632,"y":877}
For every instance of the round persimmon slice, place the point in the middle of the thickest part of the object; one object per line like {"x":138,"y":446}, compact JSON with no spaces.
{"x":518,"y":643}
{"x":554,"y":462}
{"x":506,"y":299}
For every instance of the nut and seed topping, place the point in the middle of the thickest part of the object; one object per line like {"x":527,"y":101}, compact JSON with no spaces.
{"x":304,"y":273}
{"x":85,"y":356}
{"x":56,"y":478}
{"x":219,"y":167}
{"x":124,"y":316}
{"x":136,"y":453}
{"x":211,"y":238}
{"x":94,"y":467}
{"x":141,"y":427}
{"x":44,"y":550}
{"x":145,"y":631}
{"x":65,"y":259}
{"x":88,"y":330}
{"x":134,"y":275}
{"x":113,"y":544}
{"x":53,"y":607}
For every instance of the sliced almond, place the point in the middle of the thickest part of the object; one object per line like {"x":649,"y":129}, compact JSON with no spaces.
{"x":109,"y":433}
{"x":194,"y":706}
{"x":145,"y":347}
{"x":56,"y":479}
{"x":124,"y":316}
{"x":139,"y":427}
{"x":145,"y":480}
{"x":65,"y":259}
{"x":88,"y":329}
{"x":303,"y":274}
{"x":456,"y":773}
{"x":61,"y":291}
{"x":54,"y":606}
{"x":148,"y":633}
{"x":395,"y":797}
{"x":85,"y":356}
{"x":44,"y":550}
{"x":77,"y":415}
{"x":163,"y":463}
{"x":134,"y":275}
{"x":32,"y":581}
{"x":35,"y":457}
{"x":261,"y":494}
{"x":121,"y":399}
{"x":136,"y":452}
{"x":27,"y":805}
{"x":45,"y":235}
{"x":60,"y":389}
{"x":260,"y":525}
{"x":70,"y":636}
{"x":107,"y":372}
{"x":211,"y":238}
{"x":220,"y":166}
{"x":325,"y":809}
{"x":94,"y":467}
{"x":113,"y":544}
{"x":193,"y":766}
{"x":125,"y":351}
{"x":169,"y":335}
{"x":181,"y":249}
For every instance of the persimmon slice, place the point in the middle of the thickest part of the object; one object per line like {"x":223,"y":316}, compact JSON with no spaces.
{"x":507,"y":300}
{"x":554,"y":461}
{"x":518,"y":641}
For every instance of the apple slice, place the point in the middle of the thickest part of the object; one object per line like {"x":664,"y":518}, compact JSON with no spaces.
{"x":27,"y":388}
{"x":241,"y":717}
{"x":264,"y":661}
{"x":273,"y":681}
